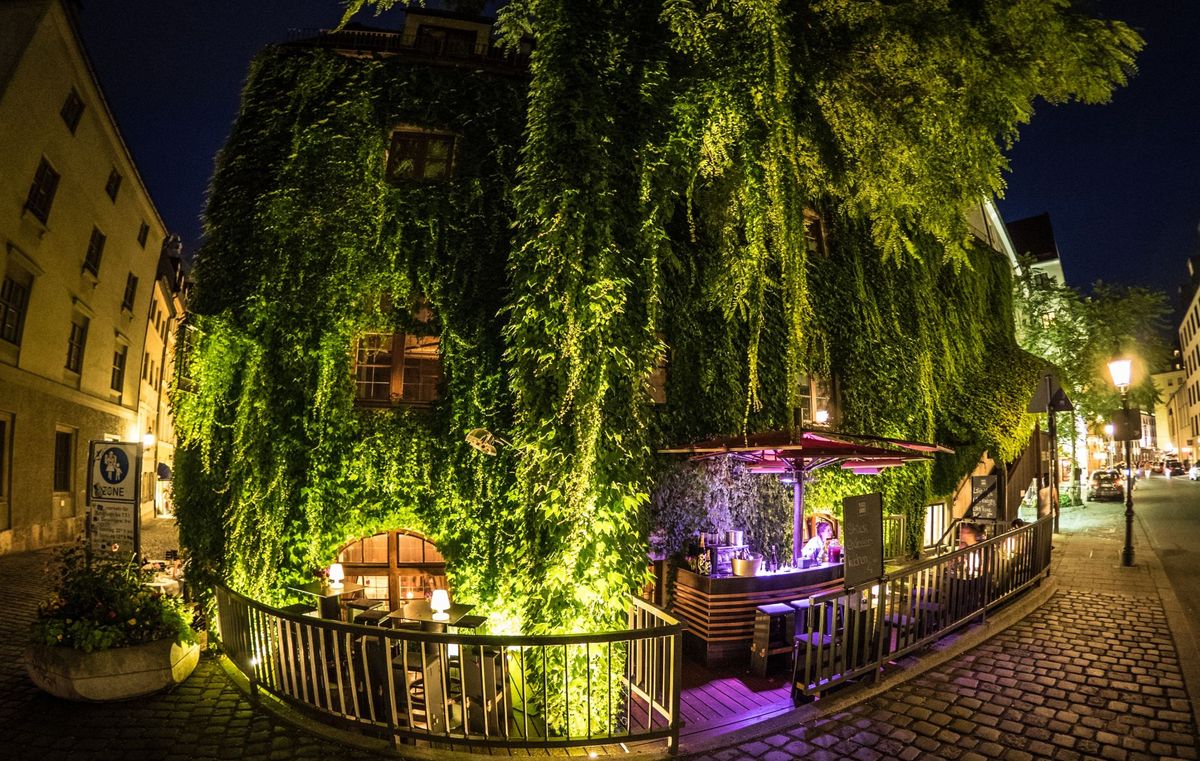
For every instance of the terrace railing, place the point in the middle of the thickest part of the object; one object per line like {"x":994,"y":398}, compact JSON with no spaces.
{"x":397,"y":43}
{"x":456,"y":689}
{"x":852,"y":632}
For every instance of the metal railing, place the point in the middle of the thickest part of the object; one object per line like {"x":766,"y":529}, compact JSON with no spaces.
{"x":466,"y":689}
{"x":852,"y":632}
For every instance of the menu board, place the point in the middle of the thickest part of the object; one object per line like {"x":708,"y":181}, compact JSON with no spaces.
{"x":862,"y":538}
{"x":113,"y":496}
{"x":984,"y":497}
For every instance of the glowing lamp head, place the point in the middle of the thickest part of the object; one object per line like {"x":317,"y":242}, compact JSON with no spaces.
{"x":1120,"y":370}
{"x":440,"y":602}
{"x":821,"y":417}
{"x":1108,"y":429}
{"x":336,"y":575}
{"x":148,"y":440}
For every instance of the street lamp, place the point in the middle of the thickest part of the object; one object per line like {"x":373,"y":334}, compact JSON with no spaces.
{"x":1120,"y":370}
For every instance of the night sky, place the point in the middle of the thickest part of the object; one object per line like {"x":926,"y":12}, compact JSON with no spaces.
{"x":1120,"y":181}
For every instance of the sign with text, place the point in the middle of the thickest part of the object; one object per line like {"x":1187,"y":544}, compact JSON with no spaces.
{"x":113,"y":523}
{"x":984,"y":497}
{"x":862,"y":538}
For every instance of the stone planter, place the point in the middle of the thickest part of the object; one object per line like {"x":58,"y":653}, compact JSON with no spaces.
{"x":116,"y":674}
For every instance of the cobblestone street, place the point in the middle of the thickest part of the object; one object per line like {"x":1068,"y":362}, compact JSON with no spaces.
{"x":1092,"y":674}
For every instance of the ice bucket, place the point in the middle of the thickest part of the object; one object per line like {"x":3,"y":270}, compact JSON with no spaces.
{"x":746,"y":567}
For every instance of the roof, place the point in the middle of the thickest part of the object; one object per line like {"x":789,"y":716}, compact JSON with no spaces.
{"x":788,"y":452}
{"x":1034,"y":236}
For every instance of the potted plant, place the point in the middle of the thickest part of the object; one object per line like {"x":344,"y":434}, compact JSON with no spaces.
{"x":105,"y":635}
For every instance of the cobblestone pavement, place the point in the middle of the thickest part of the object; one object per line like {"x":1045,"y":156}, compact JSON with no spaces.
{"x":1092,"y":674}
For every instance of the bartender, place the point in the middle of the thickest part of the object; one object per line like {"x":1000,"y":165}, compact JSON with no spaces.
{"x":817,"y":548}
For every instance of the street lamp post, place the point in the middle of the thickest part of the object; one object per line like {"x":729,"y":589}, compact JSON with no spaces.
{"x":1120,"y":371}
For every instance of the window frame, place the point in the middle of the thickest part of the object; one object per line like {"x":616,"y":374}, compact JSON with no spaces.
{"x":143,"y":234}
{"x":72,"y":110}
{"x":393,"y":568}
{"x":131,"y":286}
{"x":420,"y":159}
{"x":120,"y":360}
{"x":64,"y":472}
{"x":43,"y":189}
{"x":12,"y":314}
{"x":805,"y":413}
{"x":113,"y":186}
{"x":95,"y":252}
{"x":816,"y":240}
{"x":77,"y":343}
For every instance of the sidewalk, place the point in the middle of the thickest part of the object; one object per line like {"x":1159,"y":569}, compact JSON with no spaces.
{"x":1094,"y":672}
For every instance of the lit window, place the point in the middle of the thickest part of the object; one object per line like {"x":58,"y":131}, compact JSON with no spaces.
{"x":396,"y":566}
{"x":420,"y":156}
{"x":397,"y":367}
{"x":72,"y":110}
{"x":818,"y":402}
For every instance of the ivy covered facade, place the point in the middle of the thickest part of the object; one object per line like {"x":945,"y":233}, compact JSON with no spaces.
{"x":642,"y":213}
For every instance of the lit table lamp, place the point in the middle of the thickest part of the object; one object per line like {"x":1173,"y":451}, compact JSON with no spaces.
{"x":440,"y":602}
{"x":336,"y":575}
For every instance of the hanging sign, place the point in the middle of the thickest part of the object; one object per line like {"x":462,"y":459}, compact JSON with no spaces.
{"x":114,"y":500}
{"x":862,"y":538}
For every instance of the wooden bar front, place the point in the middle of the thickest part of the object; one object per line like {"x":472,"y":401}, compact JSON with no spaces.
{"x":719,"y":610}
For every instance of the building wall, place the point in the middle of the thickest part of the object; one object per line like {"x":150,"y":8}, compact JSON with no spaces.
{"x":1189,"y":342}
{"x":38,"y":393}
{"x":1166,"y":384}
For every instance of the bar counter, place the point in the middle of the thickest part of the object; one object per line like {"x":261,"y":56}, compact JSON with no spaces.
{"x":719,"y":610}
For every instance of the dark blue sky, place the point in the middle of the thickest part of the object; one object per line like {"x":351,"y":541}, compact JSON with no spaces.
{"x":1121,"y":181}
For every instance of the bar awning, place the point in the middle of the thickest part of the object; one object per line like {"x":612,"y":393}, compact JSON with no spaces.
{"x":801,"y":452}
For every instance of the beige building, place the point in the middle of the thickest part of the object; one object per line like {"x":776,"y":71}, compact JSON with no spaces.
{"x":79,"y":265}
{"x":1168,"y":384}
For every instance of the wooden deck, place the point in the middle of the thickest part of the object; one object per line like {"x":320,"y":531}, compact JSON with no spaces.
{"x":715,"y":702}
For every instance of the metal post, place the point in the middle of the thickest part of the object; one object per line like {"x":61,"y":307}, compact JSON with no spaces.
{"x":1127,"y":553}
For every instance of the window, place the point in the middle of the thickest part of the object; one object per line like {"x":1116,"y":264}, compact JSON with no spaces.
{"x":145,"y":365}
{"x":41,"y":192}
{"x":420,"y":156}
{"x":72,"y":110}
{"x":64,"y":457}
{"x":14,"y":301}
{"x":131,"y":283}
{"x":76,"y":342}
{"x":658,"y":376}
{"x":397,"y":367}
{"x":118,"y":368}
{"x":143,"y":233}
{"x":95,"y":250}
{"x":395,"y":566}
{"x":814,"y":233}
{"x":5,"y":469}
{"x":818,"y":402}
{"x":113,"y":185}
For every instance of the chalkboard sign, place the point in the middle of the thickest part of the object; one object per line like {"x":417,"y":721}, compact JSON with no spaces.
{"x":984,"y":497}
{"x":862,"y":538}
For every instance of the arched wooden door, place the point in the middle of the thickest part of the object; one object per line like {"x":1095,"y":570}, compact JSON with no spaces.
{"x":395,"y":566}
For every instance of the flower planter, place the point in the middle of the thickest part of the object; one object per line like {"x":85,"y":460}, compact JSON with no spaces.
{"x":115,"y":674}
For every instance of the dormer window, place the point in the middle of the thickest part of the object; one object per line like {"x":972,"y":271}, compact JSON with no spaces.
{"x":444,"y":40}
{"x":417,"y":155}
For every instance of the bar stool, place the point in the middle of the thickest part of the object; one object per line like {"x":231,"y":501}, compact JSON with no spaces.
{"x":371,"y":617}
{"x":774,"y":630}
{"x":360,"y":605}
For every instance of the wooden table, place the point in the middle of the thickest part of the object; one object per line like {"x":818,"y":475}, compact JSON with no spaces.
{"x":329,"y":596}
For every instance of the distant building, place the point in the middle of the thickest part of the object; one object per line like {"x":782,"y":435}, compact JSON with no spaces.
{"x":1168,"y":383}
{"x":83,"y":251}
{"x":1034,"y":236}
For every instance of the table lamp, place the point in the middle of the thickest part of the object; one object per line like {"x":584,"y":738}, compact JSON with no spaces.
{"x":440,"y":602}
{"x":336,"y":575}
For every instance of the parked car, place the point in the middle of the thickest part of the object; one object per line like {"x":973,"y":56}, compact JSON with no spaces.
{"x":1106,"y":484}
{"x":1157,"y":468}
{"x":1194,"y":473}
{"x":1174,"y":468}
